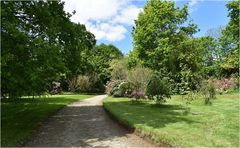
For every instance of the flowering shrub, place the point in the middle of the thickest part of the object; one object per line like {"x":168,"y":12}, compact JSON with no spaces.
{"x":113,"y":86}
{"x":56,"y":88}
{"x":126,"y":88}
{"x":225,"y":84}
{"x":138,"y":95}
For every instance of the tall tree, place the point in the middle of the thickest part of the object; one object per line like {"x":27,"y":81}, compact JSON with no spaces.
{"x":163,"y":40}
{"x":230,"y":40}
{"x":76,"y":42}
{"x":35,"y":42}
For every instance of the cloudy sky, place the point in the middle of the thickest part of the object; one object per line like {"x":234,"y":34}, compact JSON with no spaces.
{"x":111,"y":21}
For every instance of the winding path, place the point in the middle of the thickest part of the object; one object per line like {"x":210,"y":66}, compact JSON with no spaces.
{"x":84,"y":124}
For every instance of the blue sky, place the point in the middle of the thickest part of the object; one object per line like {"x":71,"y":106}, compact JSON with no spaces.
{"x":111,"y":21}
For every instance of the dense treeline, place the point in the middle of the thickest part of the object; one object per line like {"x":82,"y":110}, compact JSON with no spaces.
{"x":41,"y":45}
{"x":43,"y":51}
{"x":167,"y":59}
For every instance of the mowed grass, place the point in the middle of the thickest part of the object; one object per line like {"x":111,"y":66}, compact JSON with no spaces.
{"x":215,"y":125}
{"x":19,"y":119}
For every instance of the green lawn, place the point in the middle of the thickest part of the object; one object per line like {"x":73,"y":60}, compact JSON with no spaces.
{"x":206,"y":125}
{"x":19,"y":119}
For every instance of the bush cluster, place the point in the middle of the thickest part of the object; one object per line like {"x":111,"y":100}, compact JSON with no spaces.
{"x":140,"y":83}
{"x":113,"y":87}
{"x":226,"y":84}
{"x":138,"y":95}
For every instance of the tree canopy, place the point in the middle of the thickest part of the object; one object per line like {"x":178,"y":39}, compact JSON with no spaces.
{"x":163,"y":40}
{"x":39,"y":43}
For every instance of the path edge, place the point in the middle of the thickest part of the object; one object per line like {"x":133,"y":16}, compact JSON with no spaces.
{"x":133,"y":130}
{"x":35,"y":130}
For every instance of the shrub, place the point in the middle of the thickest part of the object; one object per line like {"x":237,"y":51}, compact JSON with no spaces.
{"x":225,"y":85}
{"x":208,"y":91}
{"x":56,"y":88}
{"x":72,"y":84}
{"x":158,"y":89}
{"x":113,"y":86}
{"x":138,"y":95}
{"x":96,"y":84}
{"x":139,"y":78}
{"x":118,"y":69}
{"x":83,"y":83}
{"x":86,"y":83}
{"x":117,"y":93}
{"x":126,"y":88}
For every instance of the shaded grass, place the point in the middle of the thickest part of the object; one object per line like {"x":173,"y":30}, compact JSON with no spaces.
{"x":19,"y":119}
{"x":215,"y":125}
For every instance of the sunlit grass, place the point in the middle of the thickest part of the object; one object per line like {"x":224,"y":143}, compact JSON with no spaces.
{"x":19,"y":118}
{"x":205,"y":125}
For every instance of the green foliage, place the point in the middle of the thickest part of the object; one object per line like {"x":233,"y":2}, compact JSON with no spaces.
{"x":87,"y":83}
{"x":100,"y":58}
{"x":77,"y":42}
{"x":113,"y":86}
{"x":212,"y":56}
{"x":124,"y":81}
{"x":119,"y":88}
{"x":39,"y":44}
{"x":158,"y":89}
{"x":83,"y":83}
{"x":118,"y":69}
{"x":126,"y":88}
{"x":205,"y":126}
{"x":189,"y":97}
{"x":230,"y":40}
{"x":139,"y":77}
{"x":133,"y":59}
{"x":221,"y":50}
{"x":208,"y":90}
{"x":163,"y":41}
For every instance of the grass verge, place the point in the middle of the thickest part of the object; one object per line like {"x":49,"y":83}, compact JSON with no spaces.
{"x":215,"y":125}
{"x":19,"y":119}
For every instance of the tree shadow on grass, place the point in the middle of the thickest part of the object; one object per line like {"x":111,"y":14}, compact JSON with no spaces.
{"x":154,"y":116}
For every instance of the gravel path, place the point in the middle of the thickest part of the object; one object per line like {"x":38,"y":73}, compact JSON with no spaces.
{"x":84,"y":124}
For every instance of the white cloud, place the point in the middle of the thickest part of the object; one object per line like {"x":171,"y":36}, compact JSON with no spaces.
{"x":106,"y":19}
{"x":127,"y":15}
{"x":193,"y":5}
{"x":107,"y":31}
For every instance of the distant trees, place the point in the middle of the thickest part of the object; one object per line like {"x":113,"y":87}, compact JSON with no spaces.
{"x":221,"y":46}
{"x":76,"y":43}
{"x":230,"y":40}
{"x":100,"y":58}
